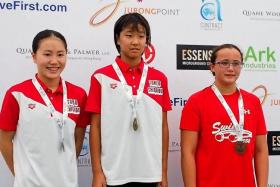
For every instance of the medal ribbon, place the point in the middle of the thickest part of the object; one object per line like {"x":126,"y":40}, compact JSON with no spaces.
{"x":60,"y":122}
{"x":238,"y":126}
{"x":133,"y":100}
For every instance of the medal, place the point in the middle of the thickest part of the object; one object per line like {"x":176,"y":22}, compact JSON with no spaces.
{"x":132,"y":99}
{"x":240,"y":147}
{"x":59,"y":123}
{"x":135,"y":124}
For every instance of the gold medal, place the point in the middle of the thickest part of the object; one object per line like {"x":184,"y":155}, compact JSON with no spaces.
{"x":240,"y":147}
{"x":135,"y":124}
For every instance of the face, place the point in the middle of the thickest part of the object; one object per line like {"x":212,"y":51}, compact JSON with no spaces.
{"x":132,"y":43}
{"x":50,"y":58}
{"x":227,"y":66}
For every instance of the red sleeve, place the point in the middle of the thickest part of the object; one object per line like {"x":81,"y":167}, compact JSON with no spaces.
{"x":93,"y":104}
{"x":190,"y":117}
{"x":9,"y":113}
{"x":166,"y":105}
{"x":261,"y":127}
{"x":84,"y":118}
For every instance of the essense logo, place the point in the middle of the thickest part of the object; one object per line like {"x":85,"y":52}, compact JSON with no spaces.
{"x":194,"y":57}
{"x":273,"y":141}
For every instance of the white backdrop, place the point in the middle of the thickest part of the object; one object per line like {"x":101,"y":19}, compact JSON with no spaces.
{"x":252,"y":25}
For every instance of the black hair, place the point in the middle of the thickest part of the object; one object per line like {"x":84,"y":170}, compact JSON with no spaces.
{"x":223,"y":46}
{"x":134,"y":20}
{"x":46,"y":34}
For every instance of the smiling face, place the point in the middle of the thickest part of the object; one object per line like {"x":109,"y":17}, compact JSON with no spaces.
{"x":50,"y":58}
{"x":226,"y":76}
{"x":132,"y":42}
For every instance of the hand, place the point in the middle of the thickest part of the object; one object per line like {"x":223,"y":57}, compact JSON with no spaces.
{"x":99,"y":180}
{"x":163,"y":183}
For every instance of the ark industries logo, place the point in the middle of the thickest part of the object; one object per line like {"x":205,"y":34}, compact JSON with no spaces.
{"x":194,"y":57}
{"x":211,"y":14}
{"x":260,"y":59}
{"x":261,"y":15}
{"x":108,"y":10}
{"x":273,"y":141}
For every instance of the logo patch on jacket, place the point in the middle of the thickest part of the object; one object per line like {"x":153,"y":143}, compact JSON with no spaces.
{"x":31,"y":106}
{"x":73,"y":107}
{"x":155,"y":87}
{"x":113,"y":85}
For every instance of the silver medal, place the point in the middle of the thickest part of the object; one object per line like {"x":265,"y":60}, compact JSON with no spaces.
{"x":135,"y":124}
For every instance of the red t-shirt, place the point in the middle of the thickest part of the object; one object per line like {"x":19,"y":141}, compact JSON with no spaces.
{"x":217,"y":162}
{"x":76,"y":98}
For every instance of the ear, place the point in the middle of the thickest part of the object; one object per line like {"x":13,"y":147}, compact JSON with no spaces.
{"x":212,"y":67}
{"x":118,"y":39}
{"x":33,"y":57}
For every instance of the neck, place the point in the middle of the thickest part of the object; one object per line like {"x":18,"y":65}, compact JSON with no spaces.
{"x":226,"y":90}
{"x":50,"y":83}
{"x":132,"y":62}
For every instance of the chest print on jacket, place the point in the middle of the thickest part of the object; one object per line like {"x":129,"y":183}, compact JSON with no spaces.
{"x":223,"y":132}
{"x":155,"y":87}
{"x":113,"y":85}
{"x":31,"y":106}
{"x":73,"y":107}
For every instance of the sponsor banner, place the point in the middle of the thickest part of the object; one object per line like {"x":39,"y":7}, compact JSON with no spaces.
{"x":194,"y":57}
{"x":84,"y":158}
{"x":261,"y":15}
{"x":260,"y":59}
{"x":211,"y":15}
{"x":273,"y":141}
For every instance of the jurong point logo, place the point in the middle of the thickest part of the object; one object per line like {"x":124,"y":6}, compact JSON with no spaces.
{"x":261,"y":92}
{"x":107,"y":12}
{"x":115,"y":6}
